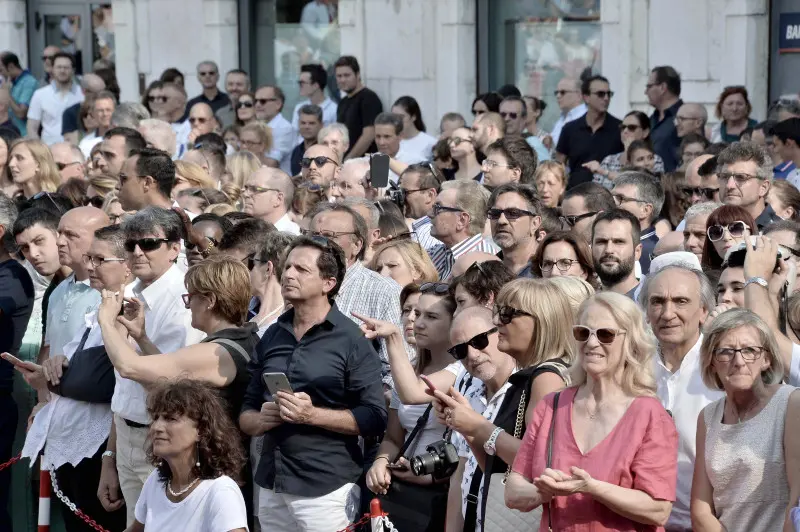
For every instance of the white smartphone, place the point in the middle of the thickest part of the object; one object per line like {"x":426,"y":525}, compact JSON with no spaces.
{"x":276,"y":382}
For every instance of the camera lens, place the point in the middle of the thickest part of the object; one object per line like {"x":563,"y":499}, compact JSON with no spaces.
{"x":424,"y":464}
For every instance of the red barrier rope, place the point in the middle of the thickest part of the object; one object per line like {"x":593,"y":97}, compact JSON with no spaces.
{"x":10,"y":462}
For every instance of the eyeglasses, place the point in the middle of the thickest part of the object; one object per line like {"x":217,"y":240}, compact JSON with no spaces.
{"x":604,"y":335}
{"x":145,"y":244}
{"x":572,"y":220}
{"x":262,"y":101}
{"x":506,"y":314}
{"x":512,"y":116}
{"x":247,"y":104}
{"x":346,"y":185}
{"x":455,"y":141}
{"x":333,"y":235}
{"x":740,"y":178}
{"x":250,"y":261}
{"x":479,"y":341}
{"x":511,"y":214}
{"x":94,"y":201}
{"x":62,"y":166}
{"x":476,"y":112}
{"x":207,"y":73}
{"x":629,"y":127}
{"x":406,"y":235}
{"x":153,"y":99}
{"x":435,"y":288}
{"x":619,"y":199}
{"x":489,"y":164}
{"x":749,"y":354}
{"x":253,"y":189}
{"x":651,"y":85}
{"x":706,"y":192}
{"x":736,"y":229}
{"x":561,"y":93}
{"x":198,"y":120}
{"x":187,"y":299}
{"x":438,"y":209}
{"x":477,"y":266}
{"x":563,"y":265}
{"x":793,"y":251}
{"x":679,"y":118}
{"x":47,"y":57}
{"x":319,"y":160}
{"x":96,"y":261}
{"x":603,"y":94}
{"x":190,"y":245}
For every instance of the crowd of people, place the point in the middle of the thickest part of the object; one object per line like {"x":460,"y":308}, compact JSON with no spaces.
{"x":233,"y":319}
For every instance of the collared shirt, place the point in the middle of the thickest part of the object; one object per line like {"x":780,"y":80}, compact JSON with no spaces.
{"x":422,"y":227}
{"x":767,"y":216}
{"x":783,"y":170}
{"x":338,"y":368}
{"x":286,"y":225}
{"x":168,"y":324}
{"x":88,"y":142}
{"x":649,"y":239}
{"x":526,"y":272}
{"x":793,"y":177}
{"x":444,"y":258}
{"x":664,"y":135}
{"x":613,"y":163}
{"x":48,"y":105}
{"x":368,"y":293}
{"x":219,"y":101}
{"x":22,"y":90}
{"x":565,"y":118}
{"x":69,"y":303}
{"x":684,"y":395}
{"x":579,"y":144}
{"x":282,"y":142}
{"x":71,"y":430}
{"x":328,"y":107}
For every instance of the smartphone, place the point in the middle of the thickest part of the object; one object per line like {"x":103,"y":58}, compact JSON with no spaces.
{"x":431,"y":387}
{"x":379,"y":170}
{"x":276,"y":382}
{"x":397,"y":467}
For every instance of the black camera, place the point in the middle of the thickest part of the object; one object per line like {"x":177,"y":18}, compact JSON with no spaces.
{"x":396,"y":194}
{"x":441,"y":460}
{"x":736,"y":255}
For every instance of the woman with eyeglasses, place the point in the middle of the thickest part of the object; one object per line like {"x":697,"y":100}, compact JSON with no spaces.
{"x":748,"y":443}
{"x":733,"y":110}
{"x":602,"y":454}
{"x":488,"y":102}
{"x":479,"y":284}
{"x":726,"y":228}
{"x":635,"y":126}
{"x":464,"y":153}
{"x":245,"y":109}
{"x":415,"y":502}
{"x":256,"y":138}
{"x":7,"y":185}
{"x":404,"y":261}
{"x":562,"y":253}
{"x":32,"y":167}
{"x":153,"y":97}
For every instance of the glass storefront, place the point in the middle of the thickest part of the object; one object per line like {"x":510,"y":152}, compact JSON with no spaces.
{"x":534,"y":43}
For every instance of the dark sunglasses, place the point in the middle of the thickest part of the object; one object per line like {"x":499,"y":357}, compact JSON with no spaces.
{"x":604,"y":335}
{"x":319,"y":160}
{"x":47,"y":57}
{"x":603,"y":94}
{"x":145,"y":244}
{"x":479,"y":341}
{"x":512,"y":116}
{"x":736,"y":229}
{"x":707,"y":193}
{"x":61,"y":166}
{"x":475,"y":112}
{"x":572,"y":220}
{"x":161,"y":99}
{"x":629,"y":127}
{"x":250,"y":261}
{"x":506,"y":314}
{"x":262,"y":101}
{"x":435,"y":288}
{"x":244,"y":104}
{"x":95,"y":201}
{"x":510,"y":214}
{"x":477,"y":266}
{"x":198,"y":120}
{"x":190,"y":245}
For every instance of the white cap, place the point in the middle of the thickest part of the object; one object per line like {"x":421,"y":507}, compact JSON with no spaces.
{"x":682,"y":258}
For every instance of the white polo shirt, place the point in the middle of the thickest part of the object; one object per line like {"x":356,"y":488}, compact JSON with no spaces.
{"x":684,"y":395}
{"x":48,"y":105}
{"x":282,"y":142}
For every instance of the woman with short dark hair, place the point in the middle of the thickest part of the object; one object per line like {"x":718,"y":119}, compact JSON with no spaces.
{"x":733,"y":110}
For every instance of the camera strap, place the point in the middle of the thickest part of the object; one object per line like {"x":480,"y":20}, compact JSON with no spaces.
{"x":421,"y":422}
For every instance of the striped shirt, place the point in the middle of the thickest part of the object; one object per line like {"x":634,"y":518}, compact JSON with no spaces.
{"x":613,"y":163}
{"x":422,"y":227}
{"x":444,"y":258}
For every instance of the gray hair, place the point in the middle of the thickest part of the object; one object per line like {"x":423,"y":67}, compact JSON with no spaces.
{"x":359,"y":224}
{"x":8,"y":215}
{"x":336,"y":126}
{"x":743,"y":152}
{"x":374,"y":212}
{"x":208,"y":62}
{"x":702,"y":209}
{"x":114,"y":236}
{"x":129,"y":114}
{"x":150,"y":219}
{"x":473,"y":199}
{"x":708,"y":296}
{"x":272,"y":249}
{"x":791,"y":106}
{"x":649,"y":191}
{"x":312,"y":110}
{"x":390,"y":119}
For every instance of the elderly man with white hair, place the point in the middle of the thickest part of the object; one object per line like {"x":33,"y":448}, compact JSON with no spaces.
{"x":160,"y":135}
{"x":353,"y":181}
{"x":335,"y":136}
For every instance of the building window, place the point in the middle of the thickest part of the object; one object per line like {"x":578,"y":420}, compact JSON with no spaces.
{"x":534,"y":43}
{"x":279,"y":36}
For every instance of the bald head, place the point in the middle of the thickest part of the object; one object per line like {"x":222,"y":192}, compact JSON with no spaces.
{"x":492,"y":119}
{"x":488,"y":364}
{"x":467,"y":259}
{"x":277,"y":179}
{"x":691,"y":118}
{"x":201,"y":118}
{"x":693,"y":178}
{"x":92,"y":217}
{"x":76,"y":233}
{"x":92,"y":84}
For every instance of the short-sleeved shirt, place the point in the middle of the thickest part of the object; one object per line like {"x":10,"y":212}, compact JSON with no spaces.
{"x":580,"y":145}
{"x":639,"y":453}
{"x":16,"y":305}
{"x":48,"y":105}
{"x":357,"y":112}
{"x":22,"y":90}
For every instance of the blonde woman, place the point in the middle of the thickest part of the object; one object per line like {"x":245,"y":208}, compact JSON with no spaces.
{"x":610,"y":423}
{"x":113,"y":208}
{"x":551,"y":183}
{"x":241,"y":165}
{"x":100,"y":185}
{"x":576,"y":289}
{"x":256,"y":138}
{"x":32,"y":167}
{"x":190,"y":175}
{"x":755,"y":489}
{"x":404,"y":261}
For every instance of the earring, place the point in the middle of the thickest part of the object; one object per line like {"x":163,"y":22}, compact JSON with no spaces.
{"x":197,"y":446}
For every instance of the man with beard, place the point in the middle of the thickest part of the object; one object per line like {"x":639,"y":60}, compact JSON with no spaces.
{"x":320,"y":165}
{"x":358,"y":109}
{"x":420,"y":185}
{"x":515,"y":222}
{"x":615,"y":249}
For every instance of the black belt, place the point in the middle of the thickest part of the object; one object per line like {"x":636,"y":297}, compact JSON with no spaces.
{"x":134,"y":425}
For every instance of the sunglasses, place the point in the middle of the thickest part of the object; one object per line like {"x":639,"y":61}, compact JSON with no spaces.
{"x":190,"y":245}
{"x":161,"y":99}
{"x":510,"y":214}
{"x":95,"y":201}
{"x":439,"y":209}
{"x":736,"y":229}
{"x":603,"y":94}
{"x":707,"y":193}
{"x":187,"y":298}
{"x":506,"y":314}
{"x":604,"y":335}
{"x":476,"y":112}
{"x":240,"y":105}
{"x":477,"y":266}
{"x":209,"y":73}
{"x":561,"y":93}
{"x":435,"y":288}
{"x":572,"y":220}
{"x":262,"y":101}
{"x":145,"y":244}
{"x":198,"y":120}
{"x":61,"y":166}
{"x":250,"y":261}
{"x":512,"y":116}
{"x":320,"y":161}
{"x":47,"y":57}
{"x":629,"y":127}
{"x":455,"y":141}
{"x":479,"y":341}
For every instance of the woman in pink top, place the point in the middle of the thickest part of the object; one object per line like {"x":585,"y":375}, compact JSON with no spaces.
{"x":614,"y":447}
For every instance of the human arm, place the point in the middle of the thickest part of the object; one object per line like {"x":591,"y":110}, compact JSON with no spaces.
{"x":791,"y":446}
{"x":108,"y":490}
{"x":398,"y":167}
{"x":34,"y":116}
{"x":702,"y":502}
{"x":379,"y":476}
{"x":363,"y":143}
{"x":521,"y":494}
{"x":454,"y":521}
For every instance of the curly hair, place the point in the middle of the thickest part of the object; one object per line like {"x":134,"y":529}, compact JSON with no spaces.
{"x":219,"y":449}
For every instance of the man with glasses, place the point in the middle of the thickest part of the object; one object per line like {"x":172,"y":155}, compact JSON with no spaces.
{"x":320,"y":165}
{"x":515,"y":222}
{"x":21,"y":86}
{"x":201,"y":121}
{"x":745,"y":177}
{"x":353,"y":181}
{"x":269,"y":101}
{"x":48,"y":59}
{"x":420,"y":186}
{"x":591,"y":137}
{"x":458,"y":217}
{"x":581,"y":205}
{"x":49,"y":103}
{"x":676,"y":301}
{"x":267,"y":194}
{"x":616,"y":246}
{"x":208,"y":76}
{"x":312,"y":83}
{"x":509,"y":160}
{"x":568,"y":96}
{"x":309,"y":122}
{"x":637,"y":193}
{"x":69,"y":160}
{"x":388,"y":127}
{"x":663,"y":91}
{"x":691,"y":118}
{"x":515,"y":113}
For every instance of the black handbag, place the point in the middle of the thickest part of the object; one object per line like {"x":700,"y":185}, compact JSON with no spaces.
{"x":89,"y":377}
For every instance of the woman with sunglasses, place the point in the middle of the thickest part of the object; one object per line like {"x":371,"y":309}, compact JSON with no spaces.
{"x":463,"y":152}
{"x":32,"y":167}
{"x":404,"y":261}
{"x":726,"y":228}
{"x":479,"y":284}
{"x":208,"y":226}
{"x":561,"y":253}
{"x":748,"y":443}
{"x":245,"y":109}
{"x":417,"y":501}
{"x":635,"y":126}
{"x":609,"y":423}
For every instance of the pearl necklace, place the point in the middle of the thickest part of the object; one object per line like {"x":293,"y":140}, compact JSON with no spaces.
{"x":184,"y":490}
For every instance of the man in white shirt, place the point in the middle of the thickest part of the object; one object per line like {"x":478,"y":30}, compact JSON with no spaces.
{"x":677,"y":301}
{"x":313,"y":80}
{"x":49,"y":103}
{"x":269,"y":101}
{"x":568,"y":95}
{"x":152,"y":243}
{"x":102,"y":109}
{"x":267,"y":194}
{"x":388,"y":128}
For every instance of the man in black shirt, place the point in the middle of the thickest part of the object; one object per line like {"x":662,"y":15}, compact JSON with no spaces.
{"x":16,"y":305}
{"x":358,"y":109}
{"x":208,"y":76}
{"x":591,"y":137}
{"x":311,"y":458}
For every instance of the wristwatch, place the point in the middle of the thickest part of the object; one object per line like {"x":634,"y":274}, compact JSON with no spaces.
{"x":110,"y":454}
{"x":489,"y":445}
{"x":757,"y":280}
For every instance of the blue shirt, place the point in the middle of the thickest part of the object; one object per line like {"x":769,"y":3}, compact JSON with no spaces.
{"x":22,"y":90}
{"x":783,"y":170}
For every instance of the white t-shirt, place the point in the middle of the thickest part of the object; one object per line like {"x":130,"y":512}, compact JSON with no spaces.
{"x":794,"y":369}
{"x":214,"y":506}
{"x":421,"y":144}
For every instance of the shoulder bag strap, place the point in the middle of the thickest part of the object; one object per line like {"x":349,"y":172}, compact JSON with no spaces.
{"x":471,"y":513}
{"x":423,"y":419}
{"x":550,"y":455}
{"x":83,"y":339}
{"x":230,"y":343}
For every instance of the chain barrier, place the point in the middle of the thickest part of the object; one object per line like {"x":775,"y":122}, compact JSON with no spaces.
{"x":71,"y":505}
{"x":10,"y":462}
{"x":376,"y":518}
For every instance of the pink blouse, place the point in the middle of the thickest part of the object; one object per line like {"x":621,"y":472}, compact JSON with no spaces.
{"x":641,"y":453}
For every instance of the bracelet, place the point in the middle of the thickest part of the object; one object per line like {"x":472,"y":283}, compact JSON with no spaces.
{"x":384,"y":457}
{"x":757,"y":280}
